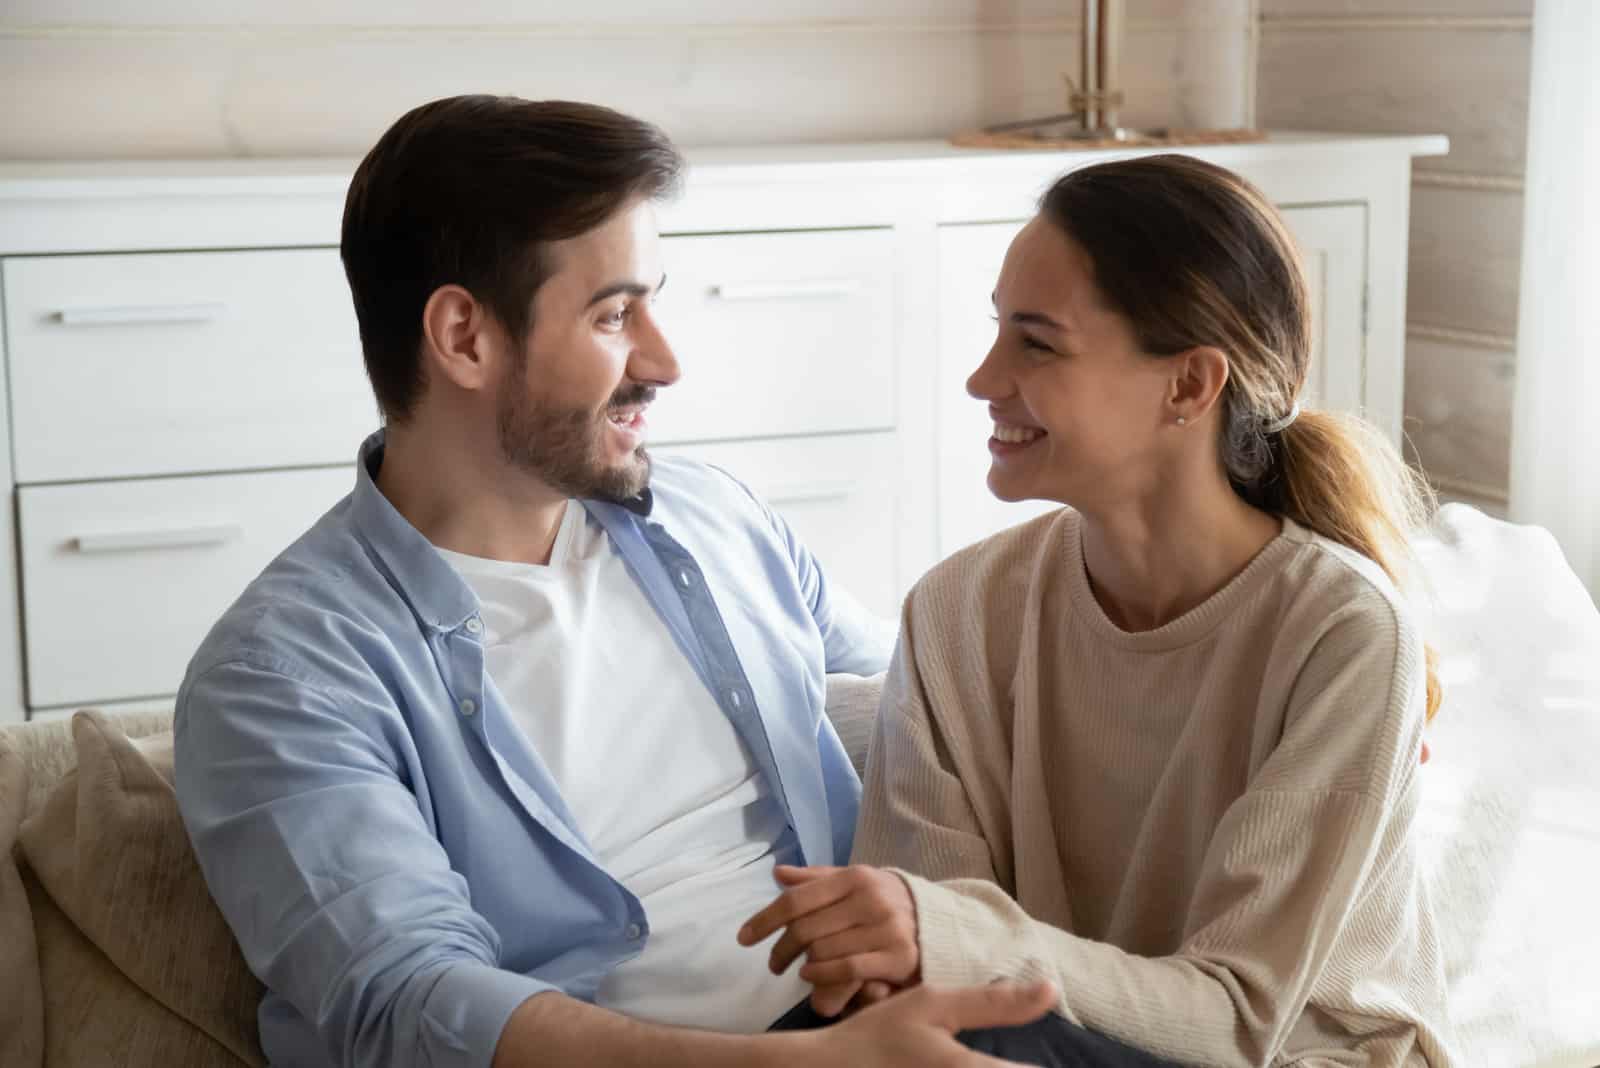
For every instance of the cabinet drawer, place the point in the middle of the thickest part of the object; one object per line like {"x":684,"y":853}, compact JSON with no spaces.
{"x":177,"y":362}
{"x":778,"y":333}
{"x":122,"y":580}
{"x":838,"y":494}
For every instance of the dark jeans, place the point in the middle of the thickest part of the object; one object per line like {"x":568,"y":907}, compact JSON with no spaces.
{"x":1049,"y":1042}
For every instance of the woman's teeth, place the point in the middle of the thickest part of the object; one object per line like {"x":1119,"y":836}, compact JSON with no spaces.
{"x":1016,"y":435}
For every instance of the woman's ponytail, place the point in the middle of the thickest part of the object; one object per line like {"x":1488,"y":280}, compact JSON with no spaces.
{"x":1338,"y":476}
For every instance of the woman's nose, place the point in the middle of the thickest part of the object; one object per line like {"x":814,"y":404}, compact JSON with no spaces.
{"x":988,"y":382}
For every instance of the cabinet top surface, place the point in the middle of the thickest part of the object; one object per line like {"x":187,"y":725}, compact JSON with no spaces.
{"x":857,"y":160}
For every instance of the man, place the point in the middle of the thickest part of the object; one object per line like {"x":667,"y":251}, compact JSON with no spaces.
{"x":494,"y":761}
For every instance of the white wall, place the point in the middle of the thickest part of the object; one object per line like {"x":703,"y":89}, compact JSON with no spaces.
{"x":1458,"y":67}
{"x":201,"y":78}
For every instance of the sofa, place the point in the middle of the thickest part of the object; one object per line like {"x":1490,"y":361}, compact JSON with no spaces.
{"x":112,"y":952}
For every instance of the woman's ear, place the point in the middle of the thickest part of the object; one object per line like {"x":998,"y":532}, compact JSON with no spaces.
{"x":456,"y":338}
{"x":1199,"y":376}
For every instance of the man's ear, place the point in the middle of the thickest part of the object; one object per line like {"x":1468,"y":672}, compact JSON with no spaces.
{"x":1199,"y":376}
{"x":457,"y":338}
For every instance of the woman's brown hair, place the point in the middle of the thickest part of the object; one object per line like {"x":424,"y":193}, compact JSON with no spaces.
{"x":1194,"y":255}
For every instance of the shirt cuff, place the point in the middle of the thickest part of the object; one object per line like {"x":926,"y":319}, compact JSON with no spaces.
{"x":466,"y":1011}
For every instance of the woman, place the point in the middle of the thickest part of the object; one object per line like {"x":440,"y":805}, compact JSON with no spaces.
{"x":1160,"y":747}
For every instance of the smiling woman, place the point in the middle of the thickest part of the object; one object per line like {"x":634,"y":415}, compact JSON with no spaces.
{"x":1162,"y":746}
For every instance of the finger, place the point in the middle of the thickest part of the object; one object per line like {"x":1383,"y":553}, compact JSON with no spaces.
{"x":830,"y":1001}
{"x":859,"y":968}
{"x":970,"y":1059}
{"x":804,"y":933}
{"x":996,"y":1005}
{"x":791,"y":875}
{"x":852,"y":941}
{"x":873,"y":992}
{"x":1426,"y":753}
{"x":791,"y":905}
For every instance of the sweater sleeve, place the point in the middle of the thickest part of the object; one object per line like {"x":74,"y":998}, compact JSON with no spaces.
{"x":915,"y":811}
{"x":1291,"y":871}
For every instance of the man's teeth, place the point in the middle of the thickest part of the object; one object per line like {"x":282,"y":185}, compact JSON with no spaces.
{"x":1016,"y":435}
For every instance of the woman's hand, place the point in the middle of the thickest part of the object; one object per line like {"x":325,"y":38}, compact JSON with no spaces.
{"x":856,"y":926}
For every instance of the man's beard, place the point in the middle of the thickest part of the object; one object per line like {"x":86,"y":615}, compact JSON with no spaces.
{"x":563,"y":446}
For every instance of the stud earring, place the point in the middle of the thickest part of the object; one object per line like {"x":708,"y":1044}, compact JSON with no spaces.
{"x":1182,"y":421}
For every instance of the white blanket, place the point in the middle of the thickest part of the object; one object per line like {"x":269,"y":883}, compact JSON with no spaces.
{"x":1512,"y":810}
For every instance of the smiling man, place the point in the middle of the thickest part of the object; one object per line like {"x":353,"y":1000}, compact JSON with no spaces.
{"x":494,"y":760}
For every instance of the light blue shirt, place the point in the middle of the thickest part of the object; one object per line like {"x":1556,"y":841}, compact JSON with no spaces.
{"x":392,"y":856}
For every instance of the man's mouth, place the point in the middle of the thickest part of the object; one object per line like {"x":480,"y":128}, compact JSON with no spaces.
{"x":628,"y":417}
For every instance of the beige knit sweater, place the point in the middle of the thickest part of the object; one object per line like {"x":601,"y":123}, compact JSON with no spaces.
{"x":1203,"y":834}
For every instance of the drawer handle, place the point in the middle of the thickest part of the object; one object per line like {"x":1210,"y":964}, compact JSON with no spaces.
{"x":160,"y":538}
{"x":822,"y":287}
{"x":144,"y":313}
{"x":799,"y":492}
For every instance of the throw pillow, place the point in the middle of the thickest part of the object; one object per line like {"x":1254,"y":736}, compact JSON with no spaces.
{"x":110,"y":852}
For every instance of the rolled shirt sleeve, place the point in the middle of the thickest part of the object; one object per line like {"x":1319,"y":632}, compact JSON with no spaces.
{"x":321,"y":859}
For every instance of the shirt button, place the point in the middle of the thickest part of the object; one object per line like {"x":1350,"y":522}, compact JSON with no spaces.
{"x":634,"y":931}
{"x":474,"y":625}
{"x":683,"y":577}
{"x":736,"y":698}
{"x":468,"y":706}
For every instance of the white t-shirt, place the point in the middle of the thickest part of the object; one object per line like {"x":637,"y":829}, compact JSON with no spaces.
{"x":657,"y":778}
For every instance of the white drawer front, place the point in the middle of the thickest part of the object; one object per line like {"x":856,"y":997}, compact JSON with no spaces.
{"x":121,"y":580}
{"x":778,"y":333}
{"x":176,"y":362}
{"x":838,"y":494}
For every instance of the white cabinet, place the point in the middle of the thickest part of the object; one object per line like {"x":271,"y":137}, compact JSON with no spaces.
{"x":172,"y":362}
{"x":767,"y":327}
{"x":122,"y":579}
{"x":184,"y":390}
{"x":1332,"y":240}
{"x":838,"y":494}
{"x":1333,"y":248}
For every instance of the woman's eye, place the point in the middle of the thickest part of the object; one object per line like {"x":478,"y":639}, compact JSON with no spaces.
{"x":616,"y":318}
{"x":1029,"y":342}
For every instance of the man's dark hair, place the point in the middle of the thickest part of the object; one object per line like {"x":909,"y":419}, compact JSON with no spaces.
{"x":469,"y":190}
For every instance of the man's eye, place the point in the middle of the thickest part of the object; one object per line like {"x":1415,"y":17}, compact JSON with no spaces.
{"x":616,"y":318}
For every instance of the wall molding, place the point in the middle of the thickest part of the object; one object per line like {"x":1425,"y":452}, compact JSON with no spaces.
{"x":1462,"y":487}
{"x":1477,"y":339}
{"x":592,"y":28}
{"x":1397,"y":22}
{"x":1484,"y":183}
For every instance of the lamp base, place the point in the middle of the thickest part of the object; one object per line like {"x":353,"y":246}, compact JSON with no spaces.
{"x":1055,"y":136}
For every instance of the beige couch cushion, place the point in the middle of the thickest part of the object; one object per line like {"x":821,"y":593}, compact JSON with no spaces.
{"x":21,"y":1012}
{"x":135,"y":959}
{"x":853,"y":708}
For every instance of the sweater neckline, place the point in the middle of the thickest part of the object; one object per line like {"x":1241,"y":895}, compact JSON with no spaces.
{"x":1193,"y":624}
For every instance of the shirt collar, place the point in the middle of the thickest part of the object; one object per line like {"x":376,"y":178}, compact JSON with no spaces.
{"x":639,"y":505}
{"x":436,"y":593}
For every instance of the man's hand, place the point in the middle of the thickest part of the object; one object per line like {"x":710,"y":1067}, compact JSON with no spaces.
{"x":855,"y":925}
{"x":918,"y":1028}
{"x":909,"y":1030}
